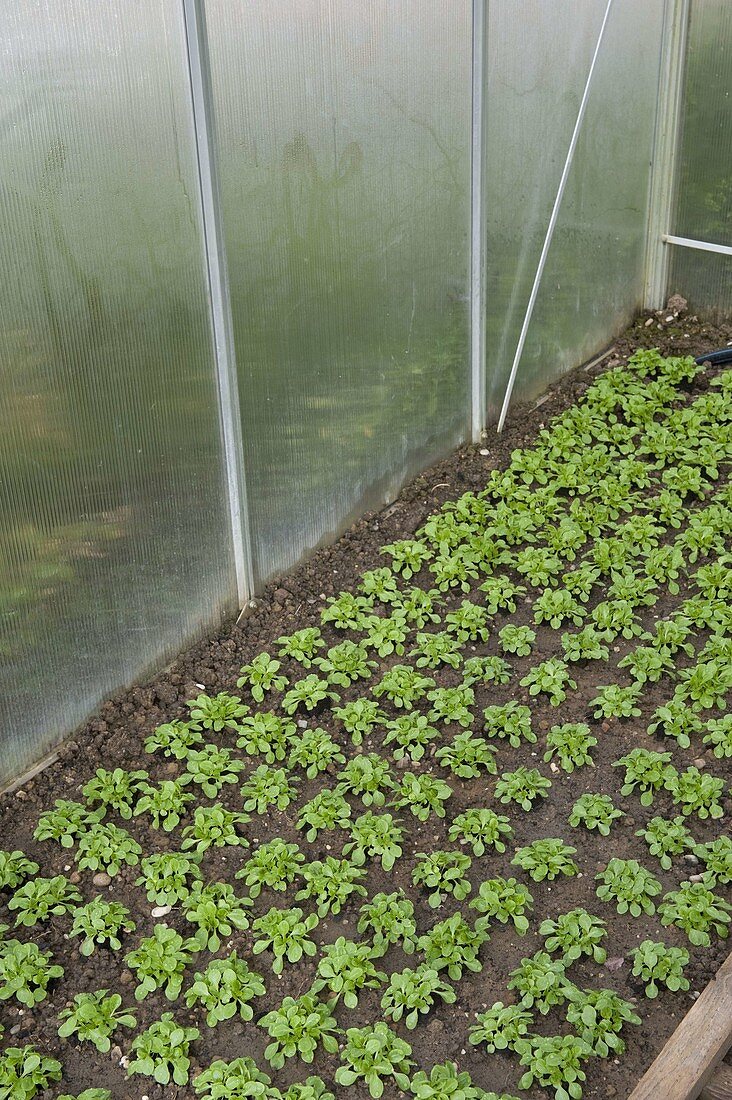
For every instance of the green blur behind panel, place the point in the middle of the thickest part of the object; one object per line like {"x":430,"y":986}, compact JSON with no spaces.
{"x":704,"y":180}
{"x":114,"y":537}
{"x":344,"y":142}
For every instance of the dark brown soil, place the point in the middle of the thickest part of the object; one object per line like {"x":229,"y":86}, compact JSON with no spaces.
{"x":114,"y":737}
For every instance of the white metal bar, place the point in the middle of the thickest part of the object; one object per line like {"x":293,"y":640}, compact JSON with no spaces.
{"x":552,"y":221}
{"x":665,"y":149}
{"x":702,"y":246}
{"x":219,"y":296}
{"x":477,"y":227}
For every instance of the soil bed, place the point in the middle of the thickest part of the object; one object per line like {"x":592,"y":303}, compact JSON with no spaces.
{"x":115,"y":737}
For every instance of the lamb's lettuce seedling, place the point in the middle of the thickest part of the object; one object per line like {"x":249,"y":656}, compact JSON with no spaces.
{"x":286,"y":932}
{"x":453,"y":945}
{"x":571,"y":743}
{"x":442,"y":873}
{"x":223,"y":711}
{"x":575,"y":934}
{"x":94,"y":1017}
{"x":26,"y":972}
{"x":595,"y":811}
{"x":225,"y":989}
{"x":481,"y":829}
{"x":500,"y":1027}
{"x":162,"y":1051}
{"x":262,"y":676}
{"x":522,"y":786}
{"x":658,"y":964}
{"x":411,"y":992}
{"x":374,"y":836}
{"x":345,"y":969}
{"x":697,"y":911}
{"x":371,"y":1054}
{"x":389,"y":919}
{"x":467,"y":756}
{"x":503,"y":900}
{"x":629,"y":885}
{"x":297,"y":1028}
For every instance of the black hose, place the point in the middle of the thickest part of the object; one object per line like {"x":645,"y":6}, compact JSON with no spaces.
{"x":724,"y":355}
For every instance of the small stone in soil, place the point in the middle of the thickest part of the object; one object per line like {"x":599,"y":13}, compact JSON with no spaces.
{"x":101,"y":879}
{"x":161,"y":910}
{"x":614,"y":964}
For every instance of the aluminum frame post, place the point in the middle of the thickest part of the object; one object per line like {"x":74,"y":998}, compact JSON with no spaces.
{"x":199,"y":73}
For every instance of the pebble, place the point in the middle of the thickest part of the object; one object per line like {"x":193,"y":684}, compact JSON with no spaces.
{"x":696,"y":878}
{"x":691,"y":859}
{"x":126,"y":977}
{"x":161,"y":910}
{"x":74,"y":877}
{"x":101,"y":879}
{"x":700,"y":762}
{"x":614,"y":964}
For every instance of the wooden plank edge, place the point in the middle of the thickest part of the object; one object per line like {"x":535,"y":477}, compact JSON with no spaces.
{"x":720,"y":1086}
{"x":690,"y":1057}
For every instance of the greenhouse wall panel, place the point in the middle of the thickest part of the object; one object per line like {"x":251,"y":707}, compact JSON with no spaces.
{"x":704,"y":177}
{"x":114,"y":544}
{"x":344,"y":138}
{"x":593,"y":280}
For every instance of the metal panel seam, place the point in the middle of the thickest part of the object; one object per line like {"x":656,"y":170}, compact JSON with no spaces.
{"x":665,"y":148}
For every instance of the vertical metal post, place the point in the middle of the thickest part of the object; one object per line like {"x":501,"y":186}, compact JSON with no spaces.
{"x":477,"y":225}
{"x":219,"y":296}
{"x":552,"y":221}
{"x":665,"y":145}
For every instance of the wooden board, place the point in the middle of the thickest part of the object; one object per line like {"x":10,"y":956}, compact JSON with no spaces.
{"x":688,"y":1060}
{"x":720,"y":1086}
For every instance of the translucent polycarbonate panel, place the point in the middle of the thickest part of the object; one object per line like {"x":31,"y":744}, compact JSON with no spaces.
{"x":704,"y":279}
{"x":538,"y":58}
{"x":113,"y":517}
{"x":704,"y":174}
{"x":344,"y":134}
{"x":704,"y":182}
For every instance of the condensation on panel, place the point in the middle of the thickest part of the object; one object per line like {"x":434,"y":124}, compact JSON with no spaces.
{"x":113,"y":524}
{"x":704,"y":184}
{"x":594,"y":274}
{"x":344,"y":135}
